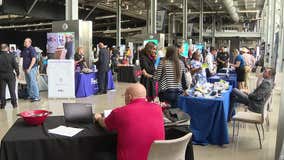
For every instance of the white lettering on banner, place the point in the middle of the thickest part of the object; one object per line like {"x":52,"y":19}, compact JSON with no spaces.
{"x":94,"y":81}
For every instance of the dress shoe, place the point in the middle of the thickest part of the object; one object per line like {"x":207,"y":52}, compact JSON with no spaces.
{"x":15,"y":106}
{"x":2,"y":107}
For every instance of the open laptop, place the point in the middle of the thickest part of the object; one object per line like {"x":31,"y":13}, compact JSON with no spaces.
{"x":78,"y":113}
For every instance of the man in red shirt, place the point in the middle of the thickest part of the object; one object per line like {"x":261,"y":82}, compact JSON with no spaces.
{"x":138,"y":124}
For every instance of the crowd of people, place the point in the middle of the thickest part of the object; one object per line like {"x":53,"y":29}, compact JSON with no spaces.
{"x":9,"y":72}
{"x":176,"y":73}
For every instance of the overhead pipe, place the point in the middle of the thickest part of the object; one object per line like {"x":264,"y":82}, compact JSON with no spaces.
{"x":218,"y":12}
{"x":25,"y":25}
{"x":229,"y":5}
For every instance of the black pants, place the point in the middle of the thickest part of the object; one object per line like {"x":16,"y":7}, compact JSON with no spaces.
{"x":237,"y":96}
{"x":103,"y":81}
{"x":170,"y":96}
{"x":11,"y":81}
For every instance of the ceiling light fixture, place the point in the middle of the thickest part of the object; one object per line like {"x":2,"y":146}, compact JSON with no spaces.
{"x":172,"y":1}
{"x":216,"y":1}
{"x":126,"y":7}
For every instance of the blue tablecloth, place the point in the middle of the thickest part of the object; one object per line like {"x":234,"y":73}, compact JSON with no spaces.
{"x":232,"y":79}
{"x":224,"y":70}
{"x":208,"y":118}
{"x":87,"y":84}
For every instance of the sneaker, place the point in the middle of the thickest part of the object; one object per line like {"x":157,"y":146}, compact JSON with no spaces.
{"x":35,"y":100}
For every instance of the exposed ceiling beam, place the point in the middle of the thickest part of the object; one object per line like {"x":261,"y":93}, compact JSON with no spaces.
{"x":122,"y":30}
{"x":128,"y":13}
{"x":88,"y":15}
{"x":25,"y":25}
{"x":31,"y":8}
{"x":105,"y":17}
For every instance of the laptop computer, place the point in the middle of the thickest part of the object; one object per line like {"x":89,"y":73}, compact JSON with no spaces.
{"x":78,"y":113}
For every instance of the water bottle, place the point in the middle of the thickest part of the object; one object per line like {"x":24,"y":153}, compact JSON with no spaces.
{"x":94,"y":68}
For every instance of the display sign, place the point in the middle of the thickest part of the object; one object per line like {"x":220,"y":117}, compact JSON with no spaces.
{"x":61,"y":79}
{"x":62,"y":44}
{"x":185,"y":49}
{"x":199,"y":47}
{"x":155,"y":41}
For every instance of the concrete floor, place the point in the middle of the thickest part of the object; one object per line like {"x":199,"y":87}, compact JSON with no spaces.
{"x":247,"y":147}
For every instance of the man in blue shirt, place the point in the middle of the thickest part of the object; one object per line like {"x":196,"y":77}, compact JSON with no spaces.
{"x":30,"y":68}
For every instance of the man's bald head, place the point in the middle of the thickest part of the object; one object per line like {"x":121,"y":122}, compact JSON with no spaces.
{"x":134,"y":91}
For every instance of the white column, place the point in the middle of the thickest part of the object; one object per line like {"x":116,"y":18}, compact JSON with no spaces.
{"x":71,"y":9}
{"x":185,"y":10}
{"x":118,"y":23}
{"x":153,"y":16}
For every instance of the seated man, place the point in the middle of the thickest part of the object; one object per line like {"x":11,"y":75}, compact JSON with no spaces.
{"x":255,"y":100}
{"x":138,"y":124}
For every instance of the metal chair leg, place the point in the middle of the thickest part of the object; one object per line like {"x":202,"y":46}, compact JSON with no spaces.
{"x":262,"y":131}
{"x":233,"y":130}
{"x":238,"y":129}
{"x":258,"y":136}
{"x":267,"y":120}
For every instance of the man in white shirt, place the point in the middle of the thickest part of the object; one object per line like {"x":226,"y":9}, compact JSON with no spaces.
{"x":210,"y":60}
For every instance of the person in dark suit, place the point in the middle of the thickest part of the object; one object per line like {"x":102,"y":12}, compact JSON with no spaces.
{"x":103,"y":67}
{"x":8,"y":65}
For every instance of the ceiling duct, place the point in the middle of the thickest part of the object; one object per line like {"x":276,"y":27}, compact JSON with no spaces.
{"x":229,"y":5}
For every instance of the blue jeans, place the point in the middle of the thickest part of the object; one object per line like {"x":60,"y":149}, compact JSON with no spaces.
{"x":32,"y":85}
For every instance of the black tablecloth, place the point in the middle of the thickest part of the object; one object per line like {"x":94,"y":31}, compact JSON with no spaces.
{"x":24,"y":142}
{"x":128,"y":73}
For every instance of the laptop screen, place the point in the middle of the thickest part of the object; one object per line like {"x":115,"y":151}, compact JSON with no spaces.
{"x":78,"y":112}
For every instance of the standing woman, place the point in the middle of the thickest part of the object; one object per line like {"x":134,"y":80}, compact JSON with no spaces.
{"x":240,"y":69}
{"x":147,"y":64}
{"x":170,"y":77}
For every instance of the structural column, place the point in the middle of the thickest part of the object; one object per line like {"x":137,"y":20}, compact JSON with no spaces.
{"x":153,"y":16}
{"x":201,"y":22}
{"x":213,"y":30}
{"x":185,"y":10}
{"x":118,"y":23}
{"x":71,"y":9}
{"x":170,"y":29}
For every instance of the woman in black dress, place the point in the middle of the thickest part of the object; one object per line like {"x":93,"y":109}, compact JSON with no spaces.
{"x":147,"y":61}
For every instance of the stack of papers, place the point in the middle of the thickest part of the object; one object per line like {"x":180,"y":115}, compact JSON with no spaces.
{"x":65,"y":131}
{"x":107,"y":112}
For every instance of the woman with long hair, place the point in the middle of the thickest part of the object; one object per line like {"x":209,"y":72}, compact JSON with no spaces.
{"x":147,"y":61}
{"x":170,"y":75}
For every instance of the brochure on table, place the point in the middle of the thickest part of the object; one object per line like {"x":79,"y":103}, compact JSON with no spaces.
{"x":61,"y":81}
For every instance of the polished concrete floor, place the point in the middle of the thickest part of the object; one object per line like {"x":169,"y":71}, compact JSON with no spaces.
{"x":246,"y":148}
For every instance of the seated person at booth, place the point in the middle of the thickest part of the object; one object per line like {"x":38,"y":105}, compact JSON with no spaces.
{"x":80,"y":59}
{"x":137,"y":124}
{"x":255,"y":100}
